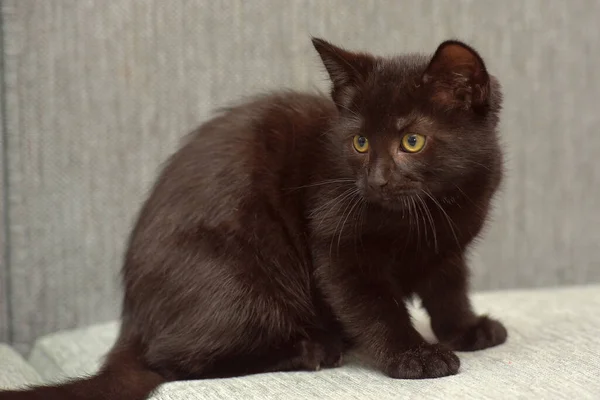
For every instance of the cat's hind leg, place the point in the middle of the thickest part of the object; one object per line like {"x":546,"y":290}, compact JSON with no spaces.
{"x":296,"y":355}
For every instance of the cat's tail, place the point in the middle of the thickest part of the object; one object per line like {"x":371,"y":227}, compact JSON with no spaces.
{"x":123,"y":377}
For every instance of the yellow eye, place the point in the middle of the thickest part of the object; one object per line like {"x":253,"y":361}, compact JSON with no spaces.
{"x":413,"y":142}
{"x":361,"y":144}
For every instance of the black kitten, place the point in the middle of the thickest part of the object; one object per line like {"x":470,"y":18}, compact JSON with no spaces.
{"x":292,"y":228}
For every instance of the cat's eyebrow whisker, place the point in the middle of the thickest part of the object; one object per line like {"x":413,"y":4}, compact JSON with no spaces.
{"x":354,"y":113}
{"x":325,"y":133}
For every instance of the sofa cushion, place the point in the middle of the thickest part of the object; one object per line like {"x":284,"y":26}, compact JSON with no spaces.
{"x":553,"y":351}
{"x":72,"y":353}
{"x":14,"y":371}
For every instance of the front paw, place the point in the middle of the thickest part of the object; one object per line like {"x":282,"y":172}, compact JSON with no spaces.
{"x":424,"y":361}
{"x":486,"y":332}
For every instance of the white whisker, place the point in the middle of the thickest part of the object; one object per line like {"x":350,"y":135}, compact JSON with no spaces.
{"x":355,"y":203}
{"x":329,"y":202}
{"x":431,"y":223}
{"x":415,"y":211}
{"x":348,"y":200}
{"x":422,"y":215}
{"x":448,"y":219}
{"x":325,"y":182}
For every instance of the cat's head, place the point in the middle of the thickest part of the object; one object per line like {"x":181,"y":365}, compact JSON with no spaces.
{"x":413,"y":124}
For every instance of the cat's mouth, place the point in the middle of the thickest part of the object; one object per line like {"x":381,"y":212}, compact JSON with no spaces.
{"x":395,"y":197}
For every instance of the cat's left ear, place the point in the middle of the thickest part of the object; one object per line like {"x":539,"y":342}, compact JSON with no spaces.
{"x":457,"y":77}
{"x":346,"y":69}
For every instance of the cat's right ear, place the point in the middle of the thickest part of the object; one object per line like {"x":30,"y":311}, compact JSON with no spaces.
{"x":346,"y":69}
{"x":457,"y":77}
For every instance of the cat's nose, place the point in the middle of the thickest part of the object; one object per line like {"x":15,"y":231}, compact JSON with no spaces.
{"x":379,"y":175}
{"x":377,"y":182}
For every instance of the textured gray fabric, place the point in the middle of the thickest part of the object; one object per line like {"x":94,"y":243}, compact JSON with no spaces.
{"x":98,"y":93}
{"x":4,"y":322}
{"x":3,"y":245}
{"x":553,"y":352}
{"x":72,"y":353}
{"x":14,"y":371}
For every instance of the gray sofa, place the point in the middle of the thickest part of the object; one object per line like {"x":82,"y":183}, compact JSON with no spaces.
{"x":96,"y":93}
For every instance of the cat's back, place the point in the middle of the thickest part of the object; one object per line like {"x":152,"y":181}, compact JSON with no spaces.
{"x":280,"y":116}
{"x":267,"y":132}
{"x":257,"y":146}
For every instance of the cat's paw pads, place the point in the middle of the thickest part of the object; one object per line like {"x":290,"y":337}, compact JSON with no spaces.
{"x":486,"y":332}
{"x":425,"y":361}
